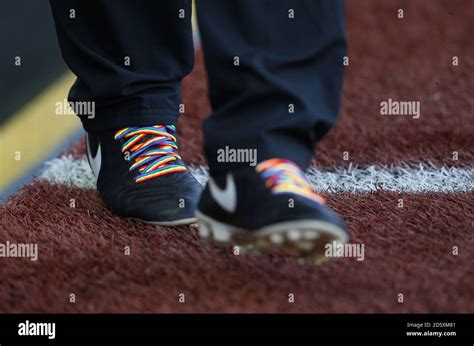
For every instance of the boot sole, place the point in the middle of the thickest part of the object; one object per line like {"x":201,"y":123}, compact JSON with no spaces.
{"x":305,"y":239}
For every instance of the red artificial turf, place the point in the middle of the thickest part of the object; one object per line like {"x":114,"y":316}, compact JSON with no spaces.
{"x":408,"y":250}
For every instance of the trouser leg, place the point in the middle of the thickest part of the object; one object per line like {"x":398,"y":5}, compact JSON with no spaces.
{"x":129,"y":57}
{"x":275,"y":81}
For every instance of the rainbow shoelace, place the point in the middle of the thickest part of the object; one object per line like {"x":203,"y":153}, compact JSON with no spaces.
{"x":284,"y":176}
{"x":153,"y":149}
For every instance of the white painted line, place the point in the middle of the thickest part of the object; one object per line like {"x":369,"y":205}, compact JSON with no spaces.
{"x":76,"y":173}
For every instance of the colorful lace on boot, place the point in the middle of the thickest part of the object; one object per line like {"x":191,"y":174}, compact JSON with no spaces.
{"x":284,"y":176}
{"x":153,"y":149}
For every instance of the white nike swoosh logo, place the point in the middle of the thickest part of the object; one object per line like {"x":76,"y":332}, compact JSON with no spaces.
{"x":226,"y":198}
{"x":96,"y":161}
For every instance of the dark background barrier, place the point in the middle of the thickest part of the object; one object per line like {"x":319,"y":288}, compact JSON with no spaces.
{"x":27,"y":31}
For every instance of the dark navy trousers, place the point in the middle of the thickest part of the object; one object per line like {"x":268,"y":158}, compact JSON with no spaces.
{"x":275,"y":68}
